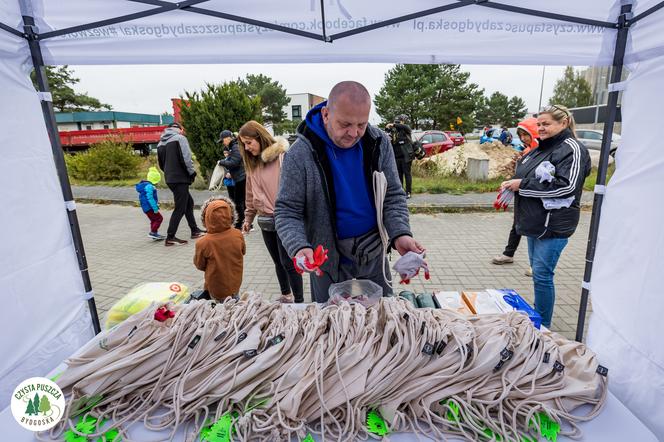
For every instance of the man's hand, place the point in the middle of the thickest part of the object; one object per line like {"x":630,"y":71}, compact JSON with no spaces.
{"x":307,"y":253}
{"x":228,"y":175}
{"x":405,"y":244}
{"x":512,"y":185}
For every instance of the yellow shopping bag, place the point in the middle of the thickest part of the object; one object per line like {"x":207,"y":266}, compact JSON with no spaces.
{"x":142,"y":296}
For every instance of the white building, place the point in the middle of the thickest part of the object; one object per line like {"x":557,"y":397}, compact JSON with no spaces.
{"x":300,"y":104}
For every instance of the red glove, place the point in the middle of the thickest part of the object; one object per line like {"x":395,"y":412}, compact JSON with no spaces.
{"x":303,"y":265}
{"x":162,"y":314}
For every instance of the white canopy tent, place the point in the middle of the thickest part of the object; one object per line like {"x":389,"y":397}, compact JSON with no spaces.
{"x":43,"y":271}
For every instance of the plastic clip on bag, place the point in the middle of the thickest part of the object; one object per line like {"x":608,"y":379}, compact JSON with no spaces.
{"x":302,"y":265}
{"x":409,"y":265}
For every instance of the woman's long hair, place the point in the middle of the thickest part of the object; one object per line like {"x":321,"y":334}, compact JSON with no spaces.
{"x":560,"y":113}
{"x":253,"y":129}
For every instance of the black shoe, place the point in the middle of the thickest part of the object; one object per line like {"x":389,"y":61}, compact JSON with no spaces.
{"x":198,"y":234}
{"x":408,"y":196}
{"x":175,"y":242}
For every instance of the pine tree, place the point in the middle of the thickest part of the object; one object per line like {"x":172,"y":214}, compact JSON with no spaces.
{"x":572,"y":90}
{"x":61,"y":81}
{"x":208,"y":112}
{"x":44,"y":404}
{"x":31,"y":409}
{"x":271,"y":93}
{"x":431,"y":96}
{"x":35,"y":403}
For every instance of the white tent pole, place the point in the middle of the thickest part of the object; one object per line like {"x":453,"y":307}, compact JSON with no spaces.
{"x":612,"y":107}
{"x":59,"y":159}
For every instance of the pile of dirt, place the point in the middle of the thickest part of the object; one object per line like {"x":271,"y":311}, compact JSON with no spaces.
{"x":502,"y":159}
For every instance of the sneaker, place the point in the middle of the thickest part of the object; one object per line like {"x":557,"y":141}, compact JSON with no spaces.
{"x":175,"y":242}
{"x":529,"y":271}
{"x":286,"y":299}
{"x":502,"y":259}
{"x":156,"y":236}
{"x":197,"y":234}
{"x":408,"y":196}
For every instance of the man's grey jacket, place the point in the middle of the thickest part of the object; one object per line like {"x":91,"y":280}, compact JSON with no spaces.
{"x":305,"y":211}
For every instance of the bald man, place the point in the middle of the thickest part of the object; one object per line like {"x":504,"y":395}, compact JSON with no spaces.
{"x":326,"y":194}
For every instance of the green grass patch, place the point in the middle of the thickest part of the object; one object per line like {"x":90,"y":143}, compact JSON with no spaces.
{"x":454,"y":184}
{"x":591,"y":180}
{"x":141,"y":173}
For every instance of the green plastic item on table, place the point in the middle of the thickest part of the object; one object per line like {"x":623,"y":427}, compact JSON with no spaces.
{"x":453,"y":412}
{"x":549,"y":428}
{"x":89,"y":426}
{"x":85,"y":404}
{"x":309,"y":438}
{"x":112,"y":435}
{"x":425,"y":300}
{"x":376,"y":424}
{"x":222,"y":430}
{"x":409,"y":296}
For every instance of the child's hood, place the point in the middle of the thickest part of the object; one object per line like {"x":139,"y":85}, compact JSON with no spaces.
{"x":140,"y":187}
{"x":219,"y":215}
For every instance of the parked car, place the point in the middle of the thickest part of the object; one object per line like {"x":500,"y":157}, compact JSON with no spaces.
{"x":433,"y":141}
{"x":592,"y":139}
{"x":456,"y":137}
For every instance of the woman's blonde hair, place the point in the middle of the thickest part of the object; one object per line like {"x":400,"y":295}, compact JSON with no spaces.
{"x":560,"y":113}
{"x":253,"y":129}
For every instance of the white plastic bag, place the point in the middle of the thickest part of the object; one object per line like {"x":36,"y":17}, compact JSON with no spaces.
{"x":217,"y":177}
{"x":362,"y":291}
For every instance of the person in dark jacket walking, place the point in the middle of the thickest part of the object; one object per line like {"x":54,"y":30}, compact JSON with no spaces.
{"x":327,"y":197}
{"x":175,"y":161}
{"x":548,"y":185}
{"x":235,"y":167}
{"x":402,"y":143}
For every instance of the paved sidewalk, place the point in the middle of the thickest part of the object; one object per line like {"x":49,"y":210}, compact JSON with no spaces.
{"x":128,"y":195}
{"x":460,"y":247}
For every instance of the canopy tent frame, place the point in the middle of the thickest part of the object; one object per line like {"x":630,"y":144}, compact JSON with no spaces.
{"x":31,"y":34}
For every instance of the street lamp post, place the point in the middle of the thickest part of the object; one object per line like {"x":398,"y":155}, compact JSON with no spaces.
{"x":539,"y":107}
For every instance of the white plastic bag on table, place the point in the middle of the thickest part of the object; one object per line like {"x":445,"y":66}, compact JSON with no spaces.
{"x":142,"y":296}
{"x":362,"y":291}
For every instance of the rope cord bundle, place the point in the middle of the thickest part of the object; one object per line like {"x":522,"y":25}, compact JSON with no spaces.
{"x":282,"y":372}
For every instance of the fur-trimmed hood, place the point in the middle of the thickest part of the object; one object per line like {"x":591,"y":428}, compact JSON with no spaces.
{"x":272,"y":152}
{"x":219,"y":221}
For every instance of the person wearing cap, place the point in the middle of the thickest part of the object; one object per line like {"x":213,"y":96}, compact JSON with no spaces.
{"x":176,"y":162}
{"x":235,"y":167}
{"x":527,"y":132}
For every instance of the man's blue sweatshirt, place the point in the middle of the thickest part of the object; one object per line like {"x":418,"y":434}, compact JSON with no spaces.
{"x":356,"y":213}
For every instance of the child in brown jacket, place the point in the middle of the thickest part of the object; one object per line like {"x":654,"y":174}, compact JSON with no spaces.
{"x":220,"y":253}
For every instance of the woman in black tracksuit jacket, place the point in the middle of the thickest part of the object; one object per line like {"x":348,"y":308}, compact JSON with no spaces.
{"x":547,"y":228}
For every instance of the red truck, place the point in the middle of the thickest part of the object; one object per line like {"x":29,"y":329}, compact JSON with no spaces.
{"x":140,"y":137}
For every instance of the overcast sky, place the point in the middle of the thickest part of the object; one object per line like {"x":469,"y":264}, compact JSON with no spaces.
{"x":148,"y":88}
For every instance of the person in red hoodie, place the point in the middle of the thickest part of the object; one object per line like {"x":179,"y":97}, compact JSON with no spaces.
{"x":527,"y":132}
